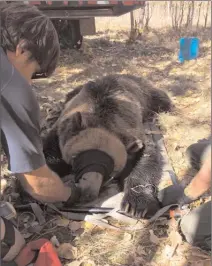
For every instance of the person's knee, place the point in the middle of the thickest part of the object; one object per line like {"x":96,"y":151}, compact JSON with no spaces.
{"x":196,"y":152}
{"x":196,"y":226}
{"x":11,"y":240}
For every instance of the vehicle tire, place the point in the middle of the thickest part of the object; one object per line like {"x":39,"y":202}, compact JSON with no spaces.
{"x":76,"y":34}
{"x":69,"y":33}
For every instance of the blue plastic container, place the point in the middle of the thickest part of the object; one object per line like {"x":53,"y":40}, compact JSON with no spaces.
{"x":189,"y":49}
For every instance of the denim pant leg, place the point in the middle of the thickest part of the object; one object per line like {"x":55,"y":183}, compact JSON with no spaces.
{"x":196,"y":226}
{"x":195,"y":152}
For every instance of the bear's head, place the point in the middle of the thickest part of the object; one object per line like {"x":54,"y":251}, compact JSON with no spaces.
{"x":94,"y":153}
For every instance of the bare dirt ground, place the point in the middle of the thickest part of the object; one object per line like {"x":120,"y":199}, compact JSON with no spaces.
{"x":153,"y":56}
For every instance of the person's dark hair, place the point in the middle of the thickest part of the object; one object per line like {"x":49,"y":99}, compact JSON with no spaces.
{"x":24,"y":22}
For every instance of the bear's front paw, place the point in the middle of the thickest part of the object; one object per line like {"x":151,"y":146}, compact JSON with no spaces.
{"x":139,"y":206}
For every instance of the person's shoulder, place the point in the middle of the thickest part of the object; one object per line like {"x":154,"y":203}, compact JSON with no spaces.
{"x":6,"y":70}
{"x":14,"y":87}
{"x":11,"y":79}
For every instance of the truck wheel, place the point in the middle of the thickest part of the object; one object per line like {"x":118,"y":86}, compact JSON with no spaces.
{"x":78,"y":44}
{"x":76,"y":34}
{"x":69,"y":33}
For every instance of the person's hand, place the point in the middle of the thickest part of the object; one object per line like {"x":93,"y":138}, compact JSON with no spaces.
{"x":174,"y":194}
{"x":75,"y":194}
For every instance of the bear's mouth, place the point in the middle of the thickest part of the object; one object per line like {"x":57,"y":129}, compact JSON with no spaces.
{"x":93,"y":161}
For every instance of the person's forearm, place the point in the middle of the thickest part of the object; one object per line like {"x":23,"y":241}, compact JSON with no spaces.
{"x":44,"y":185}
{"x":201,"y":182}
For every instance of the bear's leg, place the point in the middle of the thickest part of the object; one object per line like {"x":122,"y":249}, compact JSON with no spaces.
{"x":140,"y":192}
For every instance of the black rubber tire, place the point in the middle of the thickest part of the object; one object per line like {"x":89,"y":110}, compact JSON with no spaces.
{"x":69,"y":33}
{"x":76,"y":34}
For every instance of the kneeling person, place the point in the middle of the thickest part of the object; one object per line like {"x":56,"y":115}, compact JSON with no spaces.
{"x":195,"y":226}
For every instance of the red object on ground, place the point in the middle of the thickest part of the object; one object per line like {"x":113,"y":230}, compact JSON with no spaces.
{"x":47,"y":254}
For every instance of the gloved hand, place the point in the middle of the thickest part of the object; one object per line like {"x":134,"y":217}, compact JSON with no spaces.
{"x":174,"y":194}
{"x":75,"y":194}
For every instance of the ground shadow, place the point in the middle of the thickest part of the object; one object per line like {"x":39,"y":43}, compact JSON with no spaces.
{"x":181,"y":84}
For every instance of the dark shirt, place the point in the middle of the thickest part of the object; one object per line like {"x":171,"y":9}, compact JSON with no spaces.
{"x":20,"y":116}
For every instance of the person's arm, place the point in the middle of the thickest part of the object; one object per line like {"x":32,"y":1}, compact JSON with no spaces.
{"x":44,"y":185}
{"x":201,"y":182}
{"x":177,"y":194}
{"x":21,"y":141}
